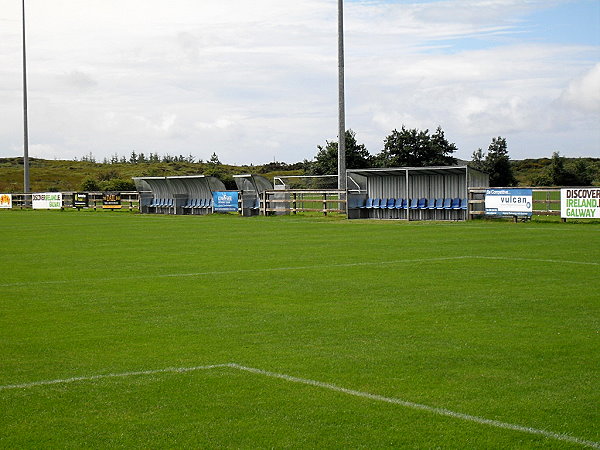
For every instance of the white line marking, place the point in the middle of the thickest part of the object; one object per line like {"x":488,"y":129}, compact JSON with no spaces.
{"x":110,"y":375}
{"x":417,"y":406}
{"x":311,"y":267}
{"x":556,"y":261}
{"x":236,"y":271}
{"x":331,"y":387}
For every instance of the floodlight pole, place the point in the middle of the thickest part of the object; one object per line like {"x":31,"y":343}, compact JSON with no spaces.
{"x":26,"y":187}
{"x":341,"y":113}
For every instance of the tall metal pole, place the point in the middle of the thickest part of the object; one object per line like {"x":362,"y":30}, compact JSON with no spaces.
{"x":341,"y":114}
{"x":26,"y":186}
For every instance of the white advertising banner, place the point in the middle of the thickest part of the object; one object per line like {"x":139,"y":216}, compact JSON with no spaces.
{"x":509,"y":202}
{"x":580,"y":203}
{"x":5,"y":201}
{"x":46,"y":200}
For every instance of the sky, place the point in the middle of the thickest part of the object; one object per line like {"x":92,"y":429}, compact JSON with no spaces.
{"x":256,"y":81}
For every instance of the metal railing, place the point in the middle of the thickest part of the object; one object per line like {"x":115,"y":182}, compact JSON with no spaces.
{"x":299,"y":200}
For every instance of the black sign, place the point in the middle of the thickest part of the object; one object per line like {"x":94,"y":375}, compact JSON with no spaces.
{"x":80,"y":200}
{"x":111,"y":200}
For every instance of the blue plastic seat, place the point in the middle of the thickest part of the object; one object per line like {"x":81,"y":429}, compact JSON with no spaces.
{"x":391,"y":203}
{"x":399,"y":203}
{"x":447,"y":203}
{"x":376,"y":203}
{"x":431,"y":203}
{"x":413,"y":203}
{"x":463,"y":204}
{"x":456,"y":203}
{"x":368,"y":204}
{"x":439,"y":203}
{"x":383,"y":203}
{"x":422,"y":203}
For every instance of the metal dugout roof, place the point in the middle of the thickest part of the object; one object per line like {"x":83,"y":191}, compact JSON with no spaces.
{"x":409,"y":182}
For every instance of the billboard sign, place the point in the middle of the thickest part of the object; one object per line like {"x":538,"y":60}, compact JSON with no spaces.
{"x":509,"y":202}
{"x":80,"y":200}
{"x":111,"y":200}
{"x":5,"y":201}
{"x":225,"y":201}
{"x":580,"y":203}
{"x":46,"y":200}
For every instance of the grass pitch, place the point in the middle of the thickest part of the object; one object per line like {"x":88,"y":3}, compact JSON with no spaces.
{"x":495,"y":320}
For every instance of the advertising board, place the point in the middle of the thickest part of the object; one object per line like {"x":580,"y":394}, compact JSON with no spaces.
{"x":5,"y":200}
{"x":580,"y":203}
{"x":80,"y":200}
{"x":111,"y":200}
{"x":46,"y":200}
{"x":509,"y":202}
{"x":225,"y":201}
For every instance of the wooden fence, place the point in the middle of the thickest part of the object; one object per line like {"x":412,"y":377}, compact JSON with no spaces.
{"x":546,"y":201}
{"x":129,"y":200}
{"x":293,"y":201}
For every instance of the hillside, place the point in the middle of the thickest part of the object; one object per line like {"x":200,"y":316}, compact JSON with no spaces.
{"x":527,"y":170}
{"x":60,"y":175}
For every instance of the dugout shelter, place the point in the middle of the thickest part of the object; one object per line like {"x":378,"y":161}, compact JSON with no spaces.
{"x":178,"y":194}
{"x":412,"y":193}
{"x":251,"y":188}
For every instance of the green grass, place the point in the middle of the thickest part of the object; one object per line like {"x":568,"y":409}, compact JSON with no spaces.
{"x":506,"y":332}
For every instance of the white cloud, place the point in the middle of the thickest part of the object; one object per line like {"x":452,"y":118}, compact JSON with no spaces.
{"x":584,"y":92}
{"x":250,"y":79}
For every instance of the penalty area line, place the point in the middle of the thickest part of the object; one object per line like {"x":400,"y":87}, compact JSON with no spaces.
{"x":110,"y":375}
{"x":420,"y":407}
{"x":319,"y":384}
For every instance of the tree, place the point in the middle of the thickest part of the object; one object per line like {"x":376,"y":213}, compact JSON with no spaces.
{"x":478,"y":160}
{"x":214,"y":160}
{"x":558,"y":174}
{"x":89,"y":158}
{"x":582,"y":173}
{"x":90,"y":185}
{"x":496,"y":162}
{"x":117,"y":184}
{"x":326,"y":160}
{"x":415,"y":148}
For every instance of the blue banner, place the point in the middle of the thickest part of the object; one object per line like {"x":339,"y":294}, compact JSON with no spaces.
{"x":225,"y":201}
